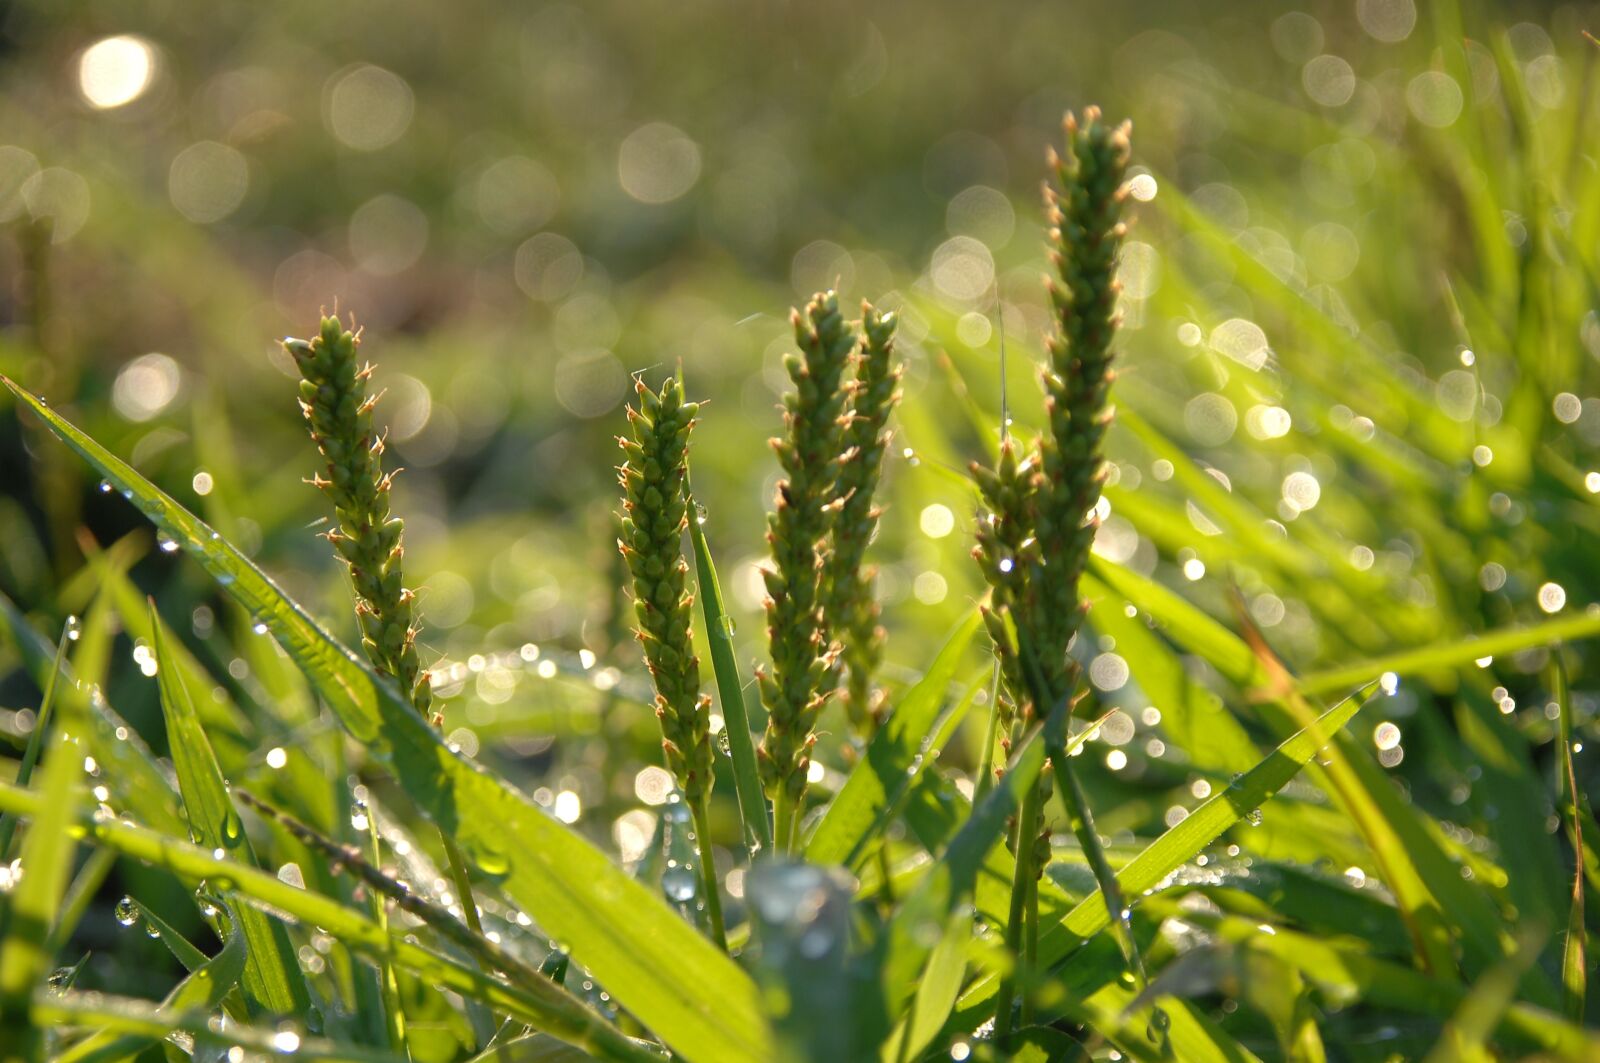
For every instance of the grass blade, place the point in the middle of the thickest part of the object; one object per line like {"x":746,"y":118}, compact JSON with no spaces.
{"x":202,"y":990}
{"x":154,"y":1022}
{"x":730,"y":694}
{"x":41,"y":728}
{"x":657,"y":966}
{"x":538,"y":1002}
{"x":1574,"y":953}
{"x":272,"y":977}
{"x":891,"y":762}
{"x":1179,"y":844}
{"x":1451,"y":653}
{"x":25,"y":932}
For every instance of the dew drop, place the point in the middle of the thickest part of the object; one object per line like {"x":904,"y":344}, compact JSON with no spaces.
{"x":1254,"y":817}
{"x":680,"y":883}
{"x":127,"y":911}
{"x":74,"y":628}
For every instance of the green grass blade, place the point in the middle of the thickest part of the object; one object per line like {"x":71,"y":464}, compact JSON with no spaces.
{"x":730,"y":694}
{"x":41,"y":727}
{"x":272,"y":977}
{"x":1180,"y":844}
{"x":202,"y":990}
{"x":1453,"y":653}
{"x":656,"y":965}
{"x":127,"y":766}
{"x":538,"y":1003}
{"x":155,"y":1022}
{"x":1574,"y":953}
{"x":891,"y":763}
{"x":1466,"y":1035}
{"x":46,"y":862}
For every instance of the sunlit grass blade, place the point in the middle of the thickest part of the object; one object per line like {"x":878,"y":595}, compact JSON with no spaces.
{"x":41,"y":728}
{"x":123,"y":1015}
{"x":1346,"y":969}
{"x":1451,"y":654}
{"x":730,"y":694}
{"x":532,"y":1048}
{"x":272,"y":977}
{"x":203,"y":990}
{"x":892,"y":760}
{"x":1466,"y":1035}
{"x":126,"y":764}
{"x":657,"y":966}
{"x":537,"y":1002}
{"x":1574,"y":953}
{"x":1181,"y":843}
{"x":25,"y":923}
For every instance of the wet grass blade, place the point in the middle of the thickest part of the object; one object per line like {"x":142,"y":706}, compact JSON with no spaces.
{"x":891,"y":763}
{"x":1574,"y":954}
{"x":41,"y":727}
{"x":153,"y":1022}
{"x":272,"y":978}
{"x":202,"y":990}
{"x":656,"y":965}
{"x":1452,"y":653}
{"x":730,"y":694}
{"x":34,"y":902}
{"x":1178,"y":845}
{"x":538,"y":1002}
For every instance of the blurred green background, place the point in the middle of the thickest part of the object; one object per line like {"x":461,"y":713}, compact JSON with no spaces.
{"x":1358,"y":387}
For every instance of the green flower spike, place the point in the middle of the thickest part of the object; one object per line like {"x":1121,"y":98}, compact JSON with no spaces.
{"x":334,"y":399}
{"x":655,"y":514}
{"x":851,"y":610}
{"x":794,"y":689}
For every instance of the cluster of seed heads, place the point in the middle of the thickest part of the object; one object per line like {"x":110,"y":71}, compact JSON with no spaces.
{"x":656,"y":506}
{"x":334,"y":399}
{"x":831,"y":453}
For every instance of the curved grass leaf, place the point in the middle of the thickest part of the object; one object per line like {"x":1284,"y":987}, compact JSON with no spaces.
{"x":1451,"y":654}
{"x":679,"y":985}
{"x":272,"y":977}
{"x":893,"y":760}
{"x":538,"y":1003}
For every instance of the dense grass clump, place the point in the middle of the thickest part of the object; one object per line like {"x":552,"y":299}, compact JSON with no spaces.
{"x":1230,"y":705}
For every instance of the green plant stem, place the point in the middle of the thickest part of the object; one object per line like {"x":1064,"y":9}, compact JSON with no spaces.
{"x":1024,"y":876}
{"x":701,"y":811}
{"x":784,"y":814}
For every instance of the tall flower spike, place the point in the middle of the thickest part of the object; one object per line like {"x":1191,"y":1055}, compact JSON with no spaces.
{"x":850,"y":608}
{"x":654,"y":518}
{"x":334,"y":399}
{"x":655,"y":514}
{"x":793,"y":690}
{"x":1086,"y":231}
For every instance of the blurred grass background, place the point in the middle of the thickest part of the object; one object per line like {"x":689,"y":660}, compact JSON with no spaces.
{"x":1358,"y":376}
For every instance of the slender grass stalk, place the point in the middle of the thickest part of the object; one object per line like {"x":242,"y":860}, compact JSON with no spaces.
{"x":794,"y":689}
{"x":655,"y":501}
{"x":338,"y":411}
{"x":850,"y":608}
